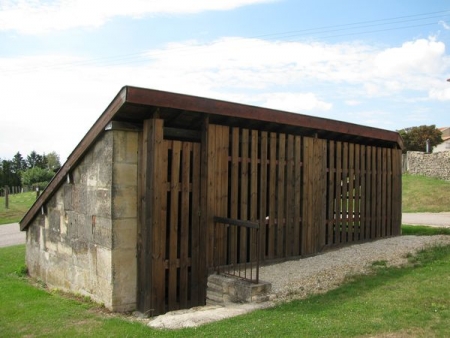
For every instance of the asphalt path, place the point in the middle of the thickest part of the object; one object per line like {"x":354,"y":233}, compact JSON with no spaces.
{"x":10,"y":234}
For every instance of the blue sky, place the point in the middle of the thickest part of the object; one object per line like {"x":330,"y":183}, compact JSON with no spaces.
{"x":377,"y":63}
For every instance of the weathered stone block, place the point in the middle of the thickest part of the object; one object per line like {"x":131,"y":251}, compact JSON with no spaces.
{"x":125,"y":174}
{"x":125,"y":233}
{"x":124,"y":202}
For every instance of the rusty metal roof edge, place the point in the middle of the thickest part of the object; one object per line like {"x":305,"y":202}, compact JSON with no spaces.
{"x":75,"y":157}
{"x":144,"y":96}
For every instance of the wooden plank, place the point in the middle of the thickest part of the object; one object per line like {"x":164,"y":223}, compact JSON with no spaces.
{"x":234,"y":193}
{"x":185,"y":219}
{"x":236,"y":222}
{"x":331,"y":191}
{"x":344,"y":201}
{"x":379,"y":192}
{"x":363,"y":221}
{"x":195,"y":221}
{"x":297,"y":195}
{"x":263,"y":194}
{"x":351,"y":192}
{"x":389,"y":192}
{"x":253,"y":190}
{"x":357,"y":205}
{"x":244,"y":204}
{"x":205,"y":214}
{"x":281,"y":194}
{"x":272,"y":194}
{"x":338,"y":189}
{"x":319,"y":191}
{"x":383,"y":192}
{"x":308,"y":202}
{"x":373,"y":200}
{"x":210,"y":206}
{"x":173,"y":225}
{"x":159,"y":208}
{"x":368,"y":195}
{"x":289,"y":205}
{"x":223,"y":179}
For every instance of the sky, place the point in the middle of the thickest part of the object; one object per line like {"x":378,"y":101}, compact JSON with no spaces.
{"x":380,"y":63}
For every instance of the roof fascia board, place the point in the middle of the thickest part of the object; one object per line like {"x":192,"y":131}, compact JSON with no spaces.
{"x":142,"y":96}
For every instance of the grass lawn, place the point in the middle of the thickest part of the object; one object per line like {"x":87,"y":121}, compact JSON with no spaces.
{"x":412,"y":301}
{"x":18,"y":206}
{"x":425,"y":194}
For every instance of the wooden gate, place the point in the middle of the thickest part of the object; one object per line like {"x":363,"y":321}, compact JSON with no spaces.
{"x":168,"y":240}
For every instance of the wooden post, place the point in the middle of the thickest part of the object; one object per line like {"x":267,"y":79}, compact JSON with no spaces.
{"x":6,"y":197}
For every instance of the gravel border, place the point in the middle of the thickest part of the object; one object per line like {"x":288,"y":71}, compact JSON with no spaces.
{"x":296,"y":279}
{"x":299,"y":278}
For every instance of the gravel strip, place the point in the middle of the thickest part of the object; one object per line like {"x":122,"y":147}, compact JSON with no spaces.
{"x":299,"y":278}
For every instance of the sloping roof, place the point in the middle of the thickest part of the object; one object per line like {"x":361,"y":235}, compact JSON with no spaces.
{"x":134,"y":105}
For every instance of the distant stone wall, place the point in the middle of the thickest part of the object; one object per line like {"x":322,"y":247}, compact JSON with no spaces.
{"x":431,"y":165}
{"x":85,"y":241}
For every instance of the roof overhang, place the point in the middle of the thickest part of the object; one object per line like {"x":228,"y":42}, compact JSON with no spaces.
{"x":135,"y":105}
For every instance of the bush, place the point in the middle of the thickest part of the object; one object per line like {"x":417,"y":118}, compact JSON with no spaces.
{"x":37,"y":176}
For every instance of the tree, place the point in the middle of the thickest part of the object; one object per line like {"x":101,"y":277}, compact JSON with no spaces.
{"x":36,"y":160}
{"x":36,"y":176}
{"x":415,"y":138}
{"x":53,"y":163}
{"x":18,"y":163}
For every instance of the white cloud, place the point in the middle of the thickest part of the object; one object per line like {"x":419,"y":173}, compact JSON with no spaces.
{"x":39,"y":16}
{"x":294,"y":102}
{"x":52,"y":100}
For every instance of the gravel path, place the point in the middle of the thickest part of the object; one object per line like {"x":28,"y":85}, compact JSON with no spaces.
{"x":299,"y":278}
{"x":318,"y":274}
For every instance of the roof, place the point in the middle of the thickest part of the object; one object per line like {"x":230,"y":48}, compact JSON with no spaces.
{"x":134,"y":105}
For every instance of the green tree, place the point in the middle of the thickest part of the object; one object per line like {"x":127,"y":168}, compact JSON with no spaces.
{"x":415,"y":138}
{"x":18,"y":163}
{"x":36,"y":176}
{"x":36,"y":160}
{"x":53,"y":163}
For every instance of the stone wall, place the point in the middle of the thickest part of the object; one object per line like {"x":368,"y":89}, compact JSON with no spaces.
{"x":431,"y":165}
{"x":85,"y":241}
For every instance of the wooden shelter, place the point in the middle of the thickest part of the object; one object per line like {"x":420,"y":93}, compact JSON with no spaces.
{"x":309,"y":183}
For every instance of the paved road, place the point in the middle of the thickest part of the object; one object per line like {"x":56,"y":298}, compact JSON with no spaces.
{"x":441,"y":219}
{"x":11,"y":235}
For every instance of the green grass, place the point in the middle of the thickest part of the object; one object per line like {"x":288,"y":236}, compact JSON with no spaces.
{"x":425,"y":194}
{"x":418,"y":230}
{"x":18,"y":206}
{"x":412,"y":301}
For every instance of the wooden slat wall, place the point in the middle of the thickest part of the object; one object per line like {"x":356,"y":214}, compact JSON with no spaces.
{"x":306,"y":193}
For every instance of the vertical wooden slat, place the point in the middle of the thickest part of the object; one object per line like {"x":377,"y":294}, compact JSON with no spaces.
{"x":373,"y":200}
{"x":344,"y":207}
{"x":297,"y":194}
{"x":223,"y":178}
{"x":159,"y":208}
{"x":368,"y":196}
{"x":331,"y":191}
{"x":389,"y":192}
{"x":338,"y":203}
{"x":173,"y":225}
{"x":253,"y":190}
{"x":383,"y":192}
{"x":357,"y":206}
{"x":319,"y":191}
{"x":234,"y":193}
{"x":379,"y":191}
{"x":351,"y":193}
{"x":195,"y":220}
{"x":184,"y":231}
{"x":363,"y":230}
{"x":263,"y":195}
{"x":272,"y":194}
{"x":308,"y":197}
{"x":289,"y":205}
{"x":244,"y":194}
{"x":280,"y":194}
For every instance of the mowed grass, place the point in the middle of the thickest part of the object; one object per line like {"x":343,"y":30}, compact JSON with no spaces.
{"x":407,"y":302}
{"x":425,"y":194}
{"x":18,"y":206}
